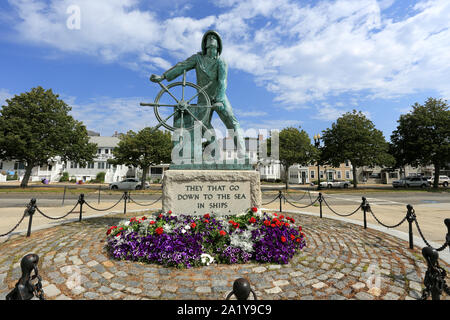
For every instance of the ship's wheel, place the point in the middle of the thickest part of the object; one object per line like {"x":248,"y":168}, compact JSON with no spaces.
{"x":182,"y":108}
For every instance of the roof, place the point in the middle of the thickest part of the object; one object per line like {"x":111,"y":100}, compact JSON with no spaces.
{"x":104,"y":142}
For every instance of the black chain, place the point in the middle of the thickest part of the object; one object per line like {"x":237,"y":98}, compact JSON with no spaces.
{"x":340,"y":214}
{"x":292,"y":199}
{"x":56,"y":218}
{"x":386,"y":226}
{"x":15,"y":227}
{"x":426,"y":242}
{"x":142,"y":204}
{"x":299,"y":206}
{"x":277,"y":197}
{"x":106,"y":208}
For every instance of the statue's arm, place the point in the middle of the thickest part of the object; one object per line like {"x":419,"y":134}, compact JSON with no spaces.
{"x":222,"y":81}
{"x":180,"y":67}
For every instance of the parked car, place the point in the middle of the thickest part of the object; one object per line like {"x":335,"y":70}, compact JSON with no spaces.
{"x":128,"y":184}
{"x":411,"y":182}
{"x":444,"y":180}
{"x":335,"y":184}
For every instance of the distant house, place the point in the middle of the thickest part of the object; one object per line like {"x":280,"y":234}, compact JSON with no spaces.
{"x":105,"y":147}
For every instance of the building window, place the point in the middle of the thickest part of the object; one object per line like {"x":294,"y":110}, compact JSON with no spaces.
{"x":321,"y":174}
{"x":99,"y":151}
{"x":73,"y":165}
{"x":106,"y":151}
{"x":155,"y":170}
{"x":312,"y":174}
{"x":90,"y":165}
{"x":108,"y":165}
{"x":1,"y":165}
{"x":100,"y":165}
{"x":339,"y":175}
{"x":347,"y":174}
{"x":347,"y":163}
{"x":19,"y":166}
{"x":229,"y":154}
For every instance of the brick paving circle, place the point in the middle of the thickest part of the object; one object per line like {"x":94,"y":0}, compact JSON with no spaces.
{"x":341,"y":261}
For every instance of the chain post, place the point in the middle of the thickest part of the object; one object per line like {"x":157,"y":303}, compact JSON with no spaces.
{"x":410,"y":217}
{"x":434,"y":279}
{"x":447,"y":238}
{"x":30,"y":210}
{"x":365,"y":207}
{"x":280,"y":195}
{"x":125,"y":197}
{"x":241,"y":290}
{"x":81,"y":202}
{"x":320,"y":203}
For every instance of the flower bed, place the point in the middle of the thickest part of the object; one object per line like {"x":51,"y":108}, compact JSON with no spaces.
{"x":190,"y":241}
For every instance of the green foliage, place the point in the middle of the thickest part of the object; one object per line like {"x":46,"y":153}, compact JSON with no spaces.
{"x":36,"y":126}
{"x":422,"y":136}
{"x":64,"y":177}
{"x":143,"y":149}
{"x":353,"y":137}
{"x":100,"y":177}
{"x":294,"y":148}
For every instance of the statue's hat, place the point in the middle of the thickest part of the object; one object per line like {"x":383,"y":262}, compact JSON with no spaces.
{"x":219,"y":40}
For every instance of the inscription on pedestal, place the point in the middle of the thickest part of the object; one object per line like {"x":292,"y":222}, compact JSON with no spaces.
{"x":218,"y":197}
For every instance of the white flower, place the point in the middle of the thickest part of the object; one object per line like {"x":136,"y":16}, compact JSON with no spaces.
{"x":167,"y":228}
{"x":206,"y":259}
{"x":183,"y":230}
{"x":187,"y":227}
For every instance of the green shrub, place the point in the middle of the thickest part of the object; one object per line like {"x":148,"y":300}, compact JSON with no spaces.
{"x":100,"y":178}
{"x":64,"y":177}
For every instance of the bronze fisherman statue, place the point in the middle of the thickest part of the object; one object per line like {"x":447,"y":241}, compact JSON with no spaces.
{"x":25,"y":289}
{"x":211,"y":73}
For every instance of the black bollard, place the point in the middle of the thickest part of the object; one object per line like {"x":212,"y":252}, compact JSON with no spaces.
{"x":410,"y":217}
{"x":30,"y":210}
{"x":365,"y":206}
{"x":320,"y":203}
{"x":241,"y":289}
{"x":434,"y":280}
{"x":125,"y":197}
{"x":280,"y":195}
{"x":447,"y":237}
{"x":81,"y":202}
{"x":24,"y":288}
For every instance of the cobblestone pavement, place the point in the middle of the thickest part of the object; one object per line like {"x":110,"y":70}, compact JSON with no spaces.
{"x":341,"y":261}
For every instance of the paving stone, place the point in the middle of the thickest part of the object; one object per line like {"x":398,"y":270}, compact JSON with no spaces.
{"x":92,"y":263}
{"x":359,"y":286}
{"x":203,"y":289}
{"x":91,"y":295}
{"x":280,"y":283}
{"x":391,"y":296}
{"x":78,"y":290}
{"x":51,"y":291}
{"x":117,"y":286}
{"x":319,"y":285}
{"x":133,"y":290}
{"x":273,"y":290}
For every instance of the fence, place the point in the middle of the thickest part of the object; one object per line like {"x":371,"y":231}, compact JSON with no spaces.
{"x":32,"y":208}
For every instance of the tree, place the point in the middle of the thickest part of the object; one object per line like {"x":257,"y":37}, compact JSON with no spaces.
{"x":36,"y":126}
{"x":294,"y":148}
{"x":146,"y":148}
{"x":422,"y":136}
{"x":353,"y":137}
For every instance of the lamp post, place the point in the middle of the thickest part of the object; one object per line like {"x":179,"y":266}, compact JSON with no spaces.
{"x":317,"y":145}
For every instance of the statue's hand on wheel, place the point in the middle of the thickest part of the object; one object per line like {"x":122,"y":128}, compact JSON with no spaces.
{"x":156,"y":78}
{"x":217,"y":104}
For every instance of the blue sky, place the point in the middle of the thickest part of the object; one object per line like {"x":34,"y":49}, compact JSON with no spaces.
{"x":291,"y":63}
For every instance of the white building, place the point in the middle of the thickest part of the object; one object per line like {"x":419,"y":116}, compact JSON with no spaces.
{"x":105,"y":146}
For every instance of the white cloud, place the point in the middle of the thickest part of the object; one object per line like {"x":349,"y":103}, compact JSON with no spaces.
{"x":107,"y":115}
{"x":301,"y":53}
{"x":4,"y":94}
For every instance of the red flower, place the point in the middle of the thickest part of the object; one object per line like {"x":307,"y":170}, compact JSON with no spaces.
{"x":254,"y":209}
{"x":143,"y":218}
{"x":206,"y":221}
{"x":193,"y":225}
{"x":207,"y":216}
{"x":119,"y":234}
{"x":292,"y":237}
{"x":152,"y":222}
{"x":169,"y":212}
{"x":275,"y":214}
{"x":283,"y":239}
{"x":266,"y":223}
{"x":281,"y":217}
{"x":160,"y":215}
{"x":120,"y":229}
{"x":300,"y":229}
{"x":298,"y":240}
{"x":159,"y":230}
{"x":222,"y":233}
{"x":272,"y":225}
{"x":286,"y":224}
{"x":252,"y":220}
{"x":302,"y":234}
